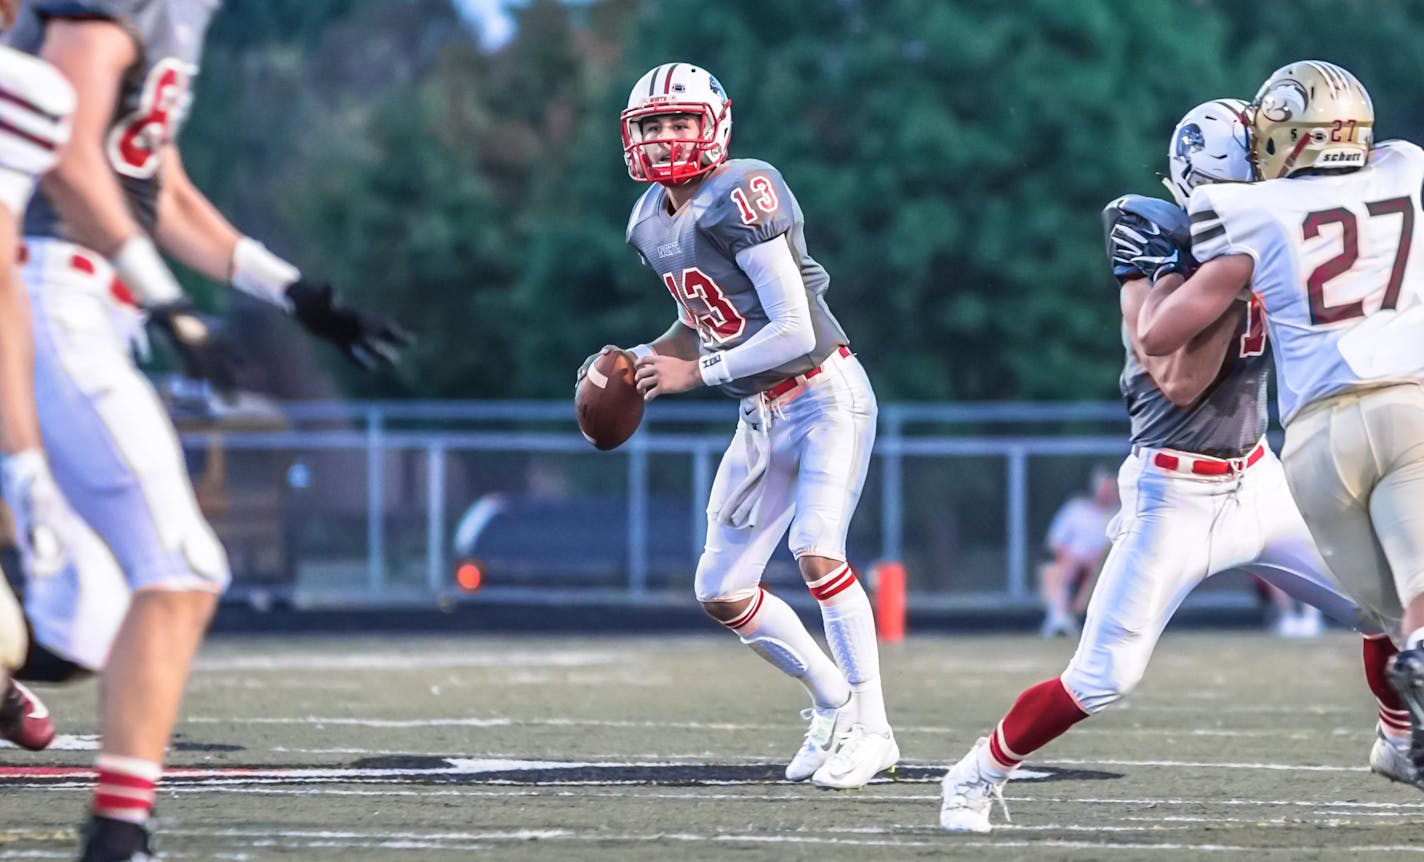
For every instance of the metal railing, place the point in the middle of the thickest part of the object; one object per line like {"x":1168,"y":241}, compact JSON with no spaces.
{"x":909,"y":437}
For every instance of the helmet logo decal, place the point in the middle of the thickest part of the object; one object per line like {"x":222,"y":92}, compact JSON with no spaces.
{"x":715,"y":86}
{"x":1190,"y":140}
{"x":1284,"y":101}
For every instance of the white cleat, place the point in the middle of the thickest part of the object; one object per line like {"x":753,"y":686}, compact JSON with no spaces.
{"x":819,"y":743}
{"x":1393,"y":762}
{"x":860,"y":756}
{"x":968,"y":794}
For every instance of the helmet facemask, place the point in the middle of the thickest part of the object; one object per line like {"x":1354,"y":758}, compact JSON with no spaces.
{"x":672,"y":161}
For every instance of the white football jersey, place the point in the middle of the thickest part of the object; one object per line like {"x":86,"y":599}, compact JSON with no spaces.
{"x":1334,"y":268}
{"x":36,"y":109}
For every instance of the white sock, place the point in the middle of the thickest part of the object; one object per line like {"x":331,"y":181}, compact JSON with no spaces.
{"x":771,"y":628}
{"x":850,"y":631}
{"x":989,"y":766}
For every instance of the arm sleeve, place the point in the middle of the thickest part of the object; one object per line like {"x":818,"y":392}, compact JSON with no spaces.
{"x":775,"y":274}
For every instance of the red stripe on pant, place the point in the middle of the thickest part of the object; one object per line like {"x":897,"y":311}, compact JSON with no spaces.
{"x":1041,"y":714}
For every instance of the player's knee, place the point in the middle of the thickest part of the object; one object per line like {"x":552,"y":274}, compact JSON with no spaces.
{"x":812,"y":534}
{"x":1095,"y":692}
{"x":726,"y":608}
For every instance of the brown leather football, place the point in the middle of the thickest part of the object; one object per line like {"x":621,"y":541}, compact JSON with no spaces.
{"x":608,"y":405}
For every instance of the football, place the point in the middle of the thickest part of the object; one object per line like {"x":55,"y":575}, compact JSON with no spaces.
{"x":608,"y":405}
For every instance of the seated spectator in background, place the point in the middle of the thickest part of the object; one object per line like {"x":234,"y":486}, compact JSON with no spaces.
{"x":1078,"y":538}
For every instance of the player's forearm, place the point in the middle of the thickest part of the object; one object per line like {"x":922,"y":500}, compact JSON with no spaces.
{"x":19,"y":427}
{"x":191,"y":229}
{"x":680,"y":341}
{"x":1186,"y":373}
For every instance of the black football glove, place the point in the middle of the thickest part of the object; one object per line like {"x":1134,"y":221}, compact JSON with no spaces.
{"x":367,"y":339}
{"x":1147,"y":237}
{"x":205,"y":352}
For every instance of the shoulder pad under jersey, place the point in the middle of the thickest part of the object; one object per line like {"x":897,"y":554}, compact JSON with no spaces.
{"x":745,"y":204}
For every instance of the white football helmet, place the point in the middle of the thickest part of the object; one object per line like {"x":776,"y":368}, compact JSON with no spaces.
{"x":1209,"y":145}
{"x":677,"y":88}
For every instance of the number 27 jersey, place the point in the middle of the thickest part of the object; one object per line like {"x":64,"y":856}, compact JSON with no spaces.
{"x":1334,"y":268}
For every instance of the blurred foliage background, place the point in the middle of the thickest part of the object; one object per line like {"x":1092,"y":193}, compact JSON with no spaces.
{"x":951,"y":157}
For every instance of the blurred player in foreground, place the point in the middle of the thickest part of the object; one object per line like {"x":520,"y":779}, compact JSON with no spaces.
{"x":117,"y":194}
{"x":35,"y":116}
{"x":725,"y":238}
{"x":1201,"y":492}
{"x":1324,"y":240}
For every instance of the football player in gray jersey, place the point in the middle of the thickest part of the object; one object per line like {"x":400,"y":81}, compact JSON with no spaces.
{"x":726,"y":240}
{"x":118,"y":195}
{"x":1201,"y":493}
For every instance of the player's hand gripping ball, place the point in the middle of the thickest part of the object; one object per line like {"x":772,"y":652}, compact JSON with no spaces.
{"x":608,"y":405}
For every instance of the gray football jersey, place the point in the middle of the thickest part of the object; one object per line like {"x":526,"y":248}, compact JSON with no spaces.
{"x":1226,"y":421}
{"x":694,"y":251}
{"x":153,"y":96}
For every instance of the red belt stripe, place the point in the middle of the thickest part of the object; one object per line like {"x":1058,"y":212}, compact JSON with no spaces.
{"x":790,"y":383}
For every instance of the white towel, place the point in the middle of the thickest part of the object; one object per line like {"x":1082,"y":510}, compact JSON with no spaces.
{"x":743,"y":503}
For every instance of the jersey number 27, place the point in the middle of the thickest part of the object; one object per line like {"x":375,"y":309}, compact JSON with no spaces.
{"x":1320,"y":311}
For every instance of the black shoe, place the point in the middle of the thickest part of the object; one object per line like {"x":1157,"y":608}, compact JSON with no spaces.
{"x":109,"y":840}
{"x":1406,"y":675}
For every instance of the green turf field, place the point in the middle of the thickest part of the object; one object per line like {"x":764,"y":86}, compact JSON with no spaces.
{"x":585,"y":748}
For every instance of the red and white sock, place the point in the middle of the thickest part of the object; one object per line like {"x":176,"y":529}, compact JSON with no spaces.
{"x":1377,"y":652}
{"x":126,"y":788}
{"x":771,"y":628}
{"x":850,"y":632}
{"x":1041,"y":714}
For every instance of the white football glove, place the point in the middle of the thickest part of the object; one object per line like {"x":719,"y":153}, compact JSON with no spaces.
{"x":38,"y":509}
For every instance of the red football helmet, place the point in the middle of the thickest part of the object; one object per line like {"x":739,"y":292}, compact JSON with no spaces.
{"x":677,"y":88}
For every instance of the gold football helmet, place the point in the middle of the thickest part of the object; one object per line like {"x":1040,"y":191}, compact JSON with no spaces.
{"x":1310,"y":115}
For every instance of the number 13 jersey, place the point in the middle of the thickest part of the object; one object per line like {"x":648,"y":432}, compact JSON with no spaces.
{"x":1334,"y":268}
{"x":153,"y":94}
{"x":694,"y":252}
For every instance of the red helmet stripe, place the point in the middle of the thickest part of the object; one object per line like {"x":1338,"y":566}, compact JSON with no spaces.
{"x":653,"y":80}
{"x":667,"y":85}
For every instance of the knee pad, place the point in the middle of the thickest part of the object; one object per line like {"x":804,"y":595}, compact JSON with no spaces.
{"x":734,"y":596}
{"x":778,"y":653}
{"x":14,"y":634}
{"x":1095,"y":692}
{"x":204,"y":556}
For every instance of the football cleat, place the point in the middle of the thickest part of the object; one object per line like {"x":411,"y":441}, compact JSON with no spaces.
{"x":860,"y":756}
{"x":967,"y":794}
{"x":1406,"y":675}
{"x":109,"y":840}
{"x":24,"y":720}
{"x":819,"y":743}
{"x":1392,"y":761}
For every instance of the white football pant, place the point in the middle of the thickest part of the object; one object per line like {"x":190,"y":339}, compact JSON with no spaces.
{"x":112,"y":448}
{"x":811,"y":447}
{"x":1174,"y":530}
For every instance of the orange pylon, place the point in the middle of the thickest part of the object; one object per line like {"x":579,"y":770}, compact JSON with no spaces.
{"x":888,"y":578}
